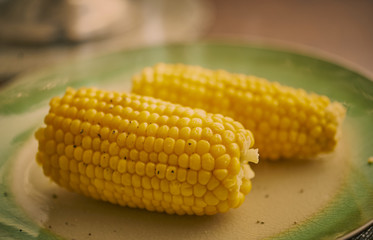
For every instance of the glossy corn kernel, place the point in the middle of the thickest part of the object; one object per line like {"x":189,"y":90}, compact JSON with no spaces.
{"x":142,"y":152}
{"x":286,"y":122}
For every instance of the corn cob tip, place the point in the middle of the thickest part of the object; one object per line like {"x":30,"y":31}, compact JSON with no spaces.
{"x":338,"y":113}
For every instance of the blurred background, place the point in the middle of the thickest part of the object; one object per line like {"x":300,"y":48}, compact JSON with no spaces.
{"x":37,"y":33}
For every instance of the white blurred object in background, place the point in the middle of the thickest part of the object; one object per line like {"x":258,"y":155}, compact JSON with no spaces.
{"x":37,"y":33}
{"x":44,"y":21}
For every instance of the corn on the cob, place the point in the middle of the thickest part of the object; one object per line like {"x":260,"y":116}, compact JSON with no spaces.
{"x":286,"y":122}
{"x":143,"y":152}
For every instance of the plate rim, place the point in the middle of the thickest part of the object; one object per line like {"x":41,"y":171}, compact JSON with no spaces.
{"x":266,"y":44}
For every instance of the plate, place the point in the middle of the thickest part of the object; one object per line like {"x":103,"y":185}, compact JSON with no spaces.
{"x":325,"y":198}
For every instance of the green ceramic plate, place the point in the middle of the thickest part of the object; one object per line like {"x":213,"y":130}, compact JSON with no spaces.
{"x":321,"y":199}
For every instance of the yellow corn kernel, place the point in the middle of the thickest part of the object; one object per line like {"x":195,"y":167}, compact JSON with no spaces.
{"x":192,"y":177}
{"x":210,"y":199}
{"x":204,"y":177}
{"x":203,"y":146}
{"x":175,"y":188}
{"x":199,"y":190}
{"x":171,"y":173}
{"x":217,"y":150}
{"x":179,"y":146}
{"x":220,"y":174}
{"x":104,"y":160}
{"x":213,"y":183}
{"x":246,"y":186}
{"x":150,"y":169}
{"x":208,"y":162}
{"x":190,"y":146}
{"x":183,"y":160}
{"x":131,"y":166}
{"x":181,"y":175}
{"x":145,"y":182}
{"x":223,"y":161}
{"x":60,"y":148}
{"x":195,"y":162}
{"x":160,"y":170}
{"x":185,"y":133}
{"x":186,"y":189}
{"x":221,"y":193}
{"x":158,"y":144}
{"x":63,"y":162}
{"x":162,"y":157}
{"x":234,"y":166}
{"x":142,"y":152}
{"x":87,"y":156}
{"x":144,"y":156}
{"x":315,"y":119}
{"x":140,"y":168}
{"x":172,"y":160}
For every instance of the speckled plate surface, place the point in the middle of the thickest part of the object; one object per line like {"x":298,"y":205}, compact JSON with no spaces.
{"x":325,"y":198}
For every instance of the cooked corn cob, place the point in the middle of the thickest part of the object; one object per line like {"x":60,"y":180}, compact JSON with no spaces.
{"x":143,"y":152}
{"x":286,"y":122}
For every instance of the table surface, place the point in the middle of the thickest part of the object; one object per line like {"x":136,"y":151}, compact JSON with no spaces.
{"x":339,"y":28}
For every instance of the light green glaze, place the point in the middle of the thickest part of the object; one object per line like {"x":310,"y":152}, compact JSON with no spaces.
{"x":352,"y":206}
